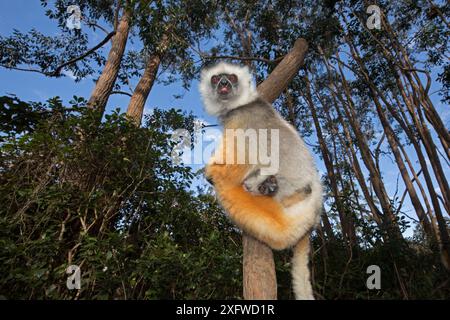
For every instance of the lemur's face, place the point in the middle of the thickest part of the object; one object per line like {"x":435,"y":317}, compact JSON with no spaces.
{"x":224,"y":85}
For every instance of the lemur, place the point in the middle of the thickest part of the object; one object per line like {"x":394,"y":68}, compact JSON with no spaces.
{"x":279,"y":209}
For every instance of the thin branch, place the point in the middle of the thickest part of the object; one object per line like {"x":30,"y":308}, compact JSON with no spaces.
{"x":402,"y":199}
{"x":244,"y":58}
{"x":58,"y":69}
{"x":427,"y":74}
{"x":443,"y":157}
{"x":23,"y":69}
{"x":93,"y":24}
{"x":84,"y":55}
{"x":121,"y":92}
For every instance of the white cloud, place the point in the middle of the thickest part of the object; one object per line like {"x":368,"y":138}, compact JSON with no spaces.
{"x":69,"y":74}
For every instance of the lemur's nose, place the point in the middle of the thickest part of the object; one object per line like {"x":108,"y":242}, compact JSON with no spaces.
{"x":223,"y":82}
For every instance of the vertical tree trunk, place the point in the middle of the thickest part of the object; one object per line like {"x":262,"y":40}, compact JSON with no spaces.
{"x":351,"y":154}
{"x":260,"y":280}
{"x":412,"y":131}
{"x":400,"y":116}
{"x":393,"y":143}
{"x":349,"y":109}
{"x":136,"y":105}
{"x":375,"y":176}
{"x":420,"y":97}
{"x":345,"y":223}
{"x":421,"y":94}
{"x":105,"y":83}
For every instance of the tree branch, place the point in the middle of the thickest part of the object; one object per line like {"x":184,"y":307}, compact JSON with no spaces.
{"x":58,"y":69}
{"x":121,"y":92}
{"x":93,"y":24}
{"x":243,"y":58}
{"x":285,"y":71}
{"x":84,"y":55}
{"x":23,"y":69}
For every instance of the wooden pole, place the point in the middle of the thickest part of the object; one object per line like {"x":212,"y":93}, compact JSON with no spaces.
{"x":260,"y":282}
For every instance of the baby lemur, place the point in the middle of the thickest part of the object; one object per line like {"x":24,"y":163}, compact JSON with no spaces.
{"x":279,"y":207}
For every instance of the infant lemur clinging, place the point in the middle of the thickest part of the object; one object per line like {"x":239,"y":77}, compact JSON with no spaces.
{"x":280,"y":208}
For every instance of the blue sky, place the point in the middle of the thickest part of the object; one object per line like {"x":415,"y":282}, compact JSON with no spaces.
{"x":27,"y":14}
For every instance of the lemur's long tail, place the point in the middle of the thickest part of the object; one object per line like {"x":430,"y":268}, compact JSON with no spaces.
{"x":300,"y":270}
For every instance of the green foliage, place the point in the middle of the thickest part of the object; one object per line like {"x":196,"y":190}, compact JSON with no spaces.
{"x":46,"y":53}
{"x":109,"y":199}
{"x":412,"y":271}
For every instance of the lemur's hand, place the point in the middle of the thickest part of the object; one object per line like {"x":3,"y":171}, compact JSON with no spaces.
{"x":261,"y":185}
{"x":210,"y":180}
{"x":207,"y":174}
{"x":269,"y":187}
{"x":210,"y":171}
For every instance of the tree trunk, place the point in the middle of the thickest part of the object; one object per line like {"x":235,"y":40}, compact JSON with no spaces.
{"x":105,"y":83}
{"x":420,"y":92}
{"x":393,"y":143}
{"x":345,"y":223}
{"x":375,"y":176}
{"x":136,"y":106}
{"x":258,"y":265}
{"x":348,"y":106}
{"x":347,"y":144}
{"x":260,"y":279}
{"x":279,"y":79}
{"x":135,"y":109}
{"x":420,"y":97}
{"x":401,"y":118}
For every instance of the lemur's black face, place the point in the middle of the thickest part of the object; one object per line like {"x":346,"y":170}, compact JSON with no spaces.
{"x":223,"y":84}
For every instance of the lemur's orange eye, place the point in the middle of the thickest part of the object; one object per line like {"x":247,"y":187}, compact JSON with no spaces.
{"x":215,"y":79}
{"x":233,"y":78}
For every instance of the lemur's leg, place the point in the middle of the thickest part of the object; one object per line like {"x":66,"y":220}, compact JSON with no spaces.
{"x":261,"y":216}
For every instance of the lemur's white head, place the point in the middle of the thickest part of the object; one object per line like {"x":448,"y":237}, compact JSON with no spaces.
{"x":225,"y":87}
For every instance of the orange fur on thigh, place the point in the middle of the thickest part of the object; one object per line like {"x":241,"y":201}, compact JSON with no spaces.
{"x":227,"y":174}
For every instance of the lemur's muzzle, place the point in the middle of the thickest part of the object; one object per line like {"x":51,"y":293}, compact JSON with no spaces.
{"x":224,"y":86}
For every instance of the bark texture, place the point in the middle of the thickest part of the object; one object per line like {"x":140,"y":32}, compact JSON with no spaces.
{"x":105,"y":83}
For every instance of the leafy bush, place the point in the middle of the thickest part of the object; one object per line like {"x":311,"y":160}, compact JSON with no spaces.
{"x":109,"y":199}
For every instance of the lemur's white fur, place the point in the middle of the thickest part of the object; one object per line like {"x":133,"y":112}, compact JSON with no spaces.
{"x":286,"y":219}
{"x":245,"y":92}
